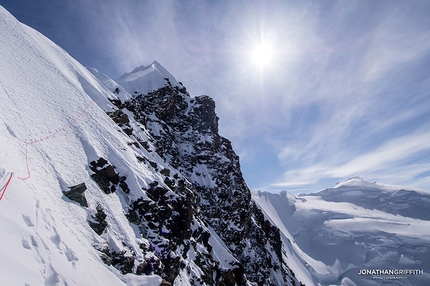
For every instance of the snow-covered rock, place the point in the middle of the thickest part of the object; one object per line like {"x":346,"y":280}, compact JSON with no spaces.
{"x":183,"y":131}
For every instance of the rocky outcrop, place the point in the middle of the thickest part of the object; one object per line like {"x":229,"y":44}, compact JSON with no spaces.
{"x":169,"y":219}
{"x":98,"y":221}
{"x":106,"y":177}
{"x":76,"y":193}
{"x":168,"y":216}
{"x":209,"y":189}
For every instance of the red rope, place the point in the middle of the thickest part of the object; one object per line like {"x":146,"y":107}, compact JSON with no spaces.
{"x":3,"y":190}
{"x":61,"y":130}
{"x":27,"y":143}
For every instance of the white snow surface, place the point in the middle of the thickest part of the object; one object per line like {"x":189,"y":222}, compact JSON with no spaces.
{"x":52,"y":109}
{"x":329,"y":236}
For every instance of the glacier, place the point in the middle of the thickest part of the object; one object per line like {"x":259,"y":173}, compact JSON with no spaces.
{"x":352,"y":226}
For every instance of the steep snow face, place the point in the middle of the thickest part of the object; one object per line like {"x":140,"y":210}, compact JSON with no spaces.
{"x":144,"y":79}
{"x":51,"y":127}
{"x":355,"y":225}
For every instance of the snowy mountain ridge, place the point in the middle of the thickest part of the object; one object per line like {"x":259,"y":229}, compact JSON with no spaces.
{"x":184,"y":131}
{"x":145,"y":79}
{"x":137,"y":187}
{"x":119,"y":189}
{"x":354,"y":225}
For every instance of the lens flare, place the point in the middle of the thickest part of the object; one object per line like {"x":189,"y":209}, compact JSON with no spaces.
{"x":263,"y":54}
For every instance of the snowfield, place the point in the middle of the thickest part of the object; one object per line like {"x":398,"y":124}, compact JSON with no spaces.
{"x":355,"y":225}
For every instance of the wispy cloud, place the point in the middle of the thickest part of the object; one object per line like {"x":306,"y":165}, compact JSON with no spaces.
{"x":395,"y":43}
{"x":406,"y":156}
{"x":369,"y":107}
{"x":392,"y":152}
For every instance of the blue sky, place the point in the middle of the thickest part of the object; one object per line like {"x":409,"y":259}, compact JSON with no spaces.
{"x":347,"y":92}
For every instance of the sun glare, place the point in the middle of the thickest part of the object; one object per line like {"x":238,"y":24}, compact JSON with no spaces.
{"x":263,"y":54}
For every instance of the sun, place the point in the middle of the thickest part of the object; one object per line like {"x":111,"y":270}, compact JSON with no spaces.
{"x":263,"y":54}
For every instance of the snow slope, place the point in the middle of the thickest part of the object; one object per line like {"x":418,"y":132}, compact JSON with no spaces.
{"x":52,"y":112}
{"x":355,"y":225}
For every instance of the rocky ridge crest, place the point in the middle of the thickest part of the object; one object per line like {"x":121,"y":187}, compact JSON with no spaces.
{"x":204,"y":194}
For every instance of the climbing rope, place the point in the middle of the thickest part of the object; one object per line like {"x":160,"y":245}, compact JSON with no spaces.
{"x":4,"y":188}
{"x":59,"y":131}
{"x":28,"y":143}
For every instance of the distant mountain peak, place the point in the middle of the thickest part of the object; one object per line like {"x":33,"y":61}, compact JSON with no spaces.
{"x":154,"y":65}
{"x":146,"y":78}
{"x":355,"y":181}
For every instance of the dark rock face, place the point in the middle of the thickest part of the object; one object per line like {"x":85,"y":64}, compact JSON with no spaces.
{"x":167,"y":219}
{"x":121,"y":119}
{"x":106,"y":177}
{"x":125,"y":261}
{"x":98,"y":222}
{"x":76,"y":194}
{"x":165,"y":283}
{"x":208,"y":190}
